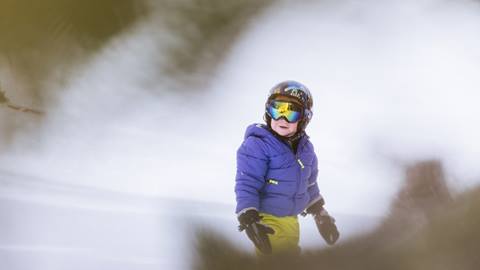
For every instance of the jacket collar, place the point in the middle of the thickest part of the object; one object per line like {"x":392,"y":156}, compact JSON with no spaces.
{"x":295,"y":142}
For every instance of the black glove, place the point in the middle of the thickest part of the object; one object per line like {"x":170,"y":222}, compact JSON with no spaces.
{"x":325,"y":223}
{"x":256,"y":231}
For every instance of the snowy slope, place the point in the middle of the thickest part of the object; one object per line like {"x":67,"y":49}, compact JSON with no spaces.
{"x":46,"y":225}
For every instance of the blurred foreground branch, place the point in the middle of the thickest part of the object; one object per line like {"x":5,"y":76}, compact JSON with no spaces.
{"x":5,"y":101}
{"x":3,"y":98}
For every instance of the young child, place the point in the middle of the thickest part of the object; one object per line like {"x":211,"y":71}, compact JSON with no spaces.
{"x":277,"y":174}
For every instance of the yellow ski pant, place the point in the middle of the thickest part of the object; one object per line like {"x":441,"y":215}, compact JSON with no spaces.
{"x":287,"y":233}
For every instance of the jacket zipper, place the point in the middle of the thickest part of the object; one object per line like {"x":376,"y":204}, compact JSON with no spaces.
{"x":300,"y":162}
{"x":299,"y":171}
{"x":299,"y":175}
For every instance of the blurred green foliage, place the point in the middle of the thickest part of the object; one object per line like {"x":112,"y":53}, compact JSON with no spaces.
{"x":42,"y":42}
{"x":42,"y":37}
{"x":39,"y":38}
{"x":443,"y":236}
{"x":207,"y":29}
{"x":27,"y":25}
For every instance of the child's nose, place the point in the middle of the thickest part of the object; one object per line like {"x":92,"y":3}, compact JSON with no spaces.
{"x":282,"y":120}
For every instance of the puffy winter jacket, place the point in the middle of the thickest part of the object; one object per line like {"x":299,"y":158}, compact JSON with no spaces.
{"x":271,"y":177}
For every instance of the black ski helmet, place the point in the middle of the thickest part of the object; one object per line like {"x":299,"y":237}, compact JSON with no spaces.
{"x":294,"y":90}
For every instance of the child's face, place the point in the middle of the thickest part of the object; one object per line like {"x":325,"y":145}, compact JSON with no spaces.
{"x":283,"y":128}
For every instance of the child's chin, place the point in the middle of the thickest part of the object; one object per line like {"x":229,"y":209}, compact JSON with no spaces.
{"x":284,"y":134}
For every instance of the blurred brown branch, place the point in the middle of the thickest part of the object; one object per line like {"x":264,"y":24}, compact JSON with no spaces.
{"x":3,"y":98}
{"x":24,"y":109}
{"x":6,"y":101}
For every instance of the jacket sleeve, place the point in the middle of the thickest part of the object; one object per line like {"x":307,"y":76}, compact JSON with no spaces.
{"x":313,"y":189}
{"x":252,"y":164}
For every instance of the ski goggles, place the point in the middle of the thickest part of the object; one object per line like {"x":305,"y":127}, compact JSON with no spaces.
{"x":288,"y":110}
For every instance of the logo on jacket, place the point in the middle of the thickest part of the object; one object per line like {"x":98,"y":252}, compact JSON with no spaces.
{"x":273,"y":182}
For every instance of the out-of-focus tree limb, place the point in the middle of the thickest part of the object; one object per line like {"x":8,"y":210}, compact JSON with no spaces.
{"x":24,"y":109}
{"x":3,"y":98}
{"x":5,"y":101}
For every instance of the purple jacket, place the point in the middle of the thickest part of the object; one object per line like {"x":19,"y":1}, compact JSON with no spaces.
{"x":271,"y":178}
